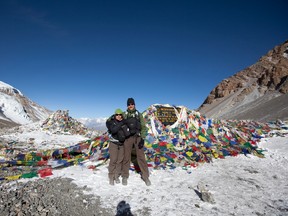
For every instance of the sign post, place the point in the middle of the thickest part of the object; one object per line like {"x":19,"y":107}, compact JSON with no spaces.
{"x":167,"y":115}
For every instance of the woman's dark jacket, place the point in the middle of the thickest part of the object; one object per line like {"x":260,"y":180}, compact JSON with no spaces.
{"x":117,"y":129}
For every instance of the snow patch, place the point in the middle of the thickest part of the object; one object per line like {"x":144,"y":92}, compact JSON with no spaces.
{"x":13,"y":110}
{"x":9,"y":88}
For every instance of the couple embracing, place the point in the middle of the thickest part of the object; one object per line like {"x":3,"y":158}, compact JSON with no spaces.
{"x":127,"y":131}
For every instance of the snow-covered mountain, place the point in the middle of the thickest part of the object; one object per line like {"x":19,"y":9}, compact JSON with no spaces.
{"x":16,"y":109}
{"x":96,"y":123}
{"x":258,"y":92}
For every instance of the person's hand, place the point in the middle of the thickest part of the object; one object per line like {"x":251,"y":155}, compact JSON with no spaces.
{"x":141,"y":143}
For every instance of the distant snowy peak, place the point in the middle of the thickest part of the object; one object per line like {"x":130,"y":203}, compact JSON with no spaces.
{"x":8,"y":89}
{"x":96,"y":123}
{"x":16,"y":108}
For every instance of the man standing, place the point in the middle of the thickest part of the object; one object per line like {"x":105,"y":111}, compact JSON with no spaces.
{"x":137,"y":129}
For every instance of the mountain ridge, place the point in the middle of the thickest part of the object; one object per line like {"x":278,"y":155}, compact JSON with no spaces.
{"x":256,"y":87}
{"x":17,"y":109}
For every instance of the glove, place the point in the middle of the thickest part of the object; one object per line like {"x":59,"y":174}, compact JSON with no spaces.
{"x":141,"y":143}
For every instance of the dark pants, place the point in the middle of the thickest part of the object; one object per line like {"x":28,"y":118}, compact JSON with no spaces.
{"x":128,"y":145}
{"x":116,"y":160}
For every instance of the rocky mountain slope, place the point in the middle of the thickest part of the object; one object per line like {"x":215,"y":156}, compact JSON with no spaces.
{"x":16,"y":109}
{"x":258,"y":92}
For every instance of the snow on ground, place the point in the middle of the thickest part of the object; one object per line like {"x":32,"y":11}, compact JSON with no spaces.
{"x":242,"y":185}
{"x":239,"y":185}
{"x":41,"y":139}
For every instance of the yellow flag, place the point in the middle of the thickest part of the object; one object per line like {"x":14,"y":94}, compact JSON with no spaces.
{"x":202,"y":139}
{"x":13,"y":177}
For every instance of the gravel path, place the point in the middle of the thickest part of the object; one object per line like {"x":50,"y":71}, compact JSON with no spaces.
{"x":57,"y":196}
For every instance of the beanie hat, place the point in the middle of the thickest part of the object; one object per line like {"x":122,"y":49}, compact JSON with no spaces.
{"x":118,"y":111}
{"x":130,"y":101}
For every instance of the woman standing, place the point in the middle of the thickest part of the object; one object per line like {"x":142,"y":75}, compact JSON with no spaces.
{"x":118,"y":132}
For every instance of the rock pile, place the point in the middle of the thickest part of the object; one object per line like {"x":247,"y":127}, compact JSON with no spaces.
{"x":60,"y":122}
{"x":43,"y":197}
{"x":193,"y":138}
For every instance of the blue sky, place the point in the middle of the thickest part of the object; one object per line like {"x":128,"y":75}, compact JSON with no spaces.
{"x":90,"y":56}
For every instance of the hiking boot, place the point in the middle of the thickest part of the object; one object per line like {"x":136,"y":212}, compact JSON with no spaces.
{"x":111,"y":181}
{"x":117,"y":180}
{"x":147,"y":181}
{"x":124,"y":181}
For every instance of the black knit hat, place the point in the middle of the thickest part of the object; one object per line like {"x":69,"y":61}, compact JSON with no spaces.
{"x":130,"y":101}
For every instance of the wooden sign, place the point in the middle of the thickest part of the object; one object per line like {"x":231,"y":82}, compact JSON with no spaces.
{"x":167,"y":115}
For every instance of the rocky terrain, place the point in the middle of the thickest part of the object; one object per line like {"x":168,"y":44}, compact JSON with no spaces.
{"x":46,"y":196}
{"x":7,"y":124}
{"x":258,"y":92}
{"x":58,"y":196}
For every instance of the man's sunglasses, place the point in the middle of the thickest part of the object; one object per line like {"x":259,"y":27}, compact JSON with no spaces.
{"x":118,"y":114}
